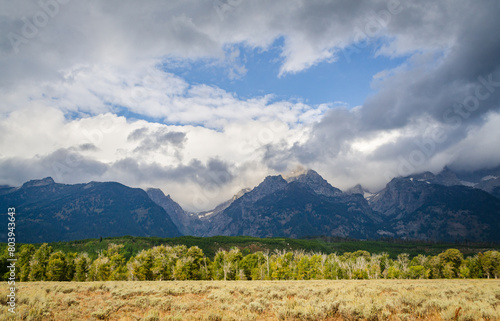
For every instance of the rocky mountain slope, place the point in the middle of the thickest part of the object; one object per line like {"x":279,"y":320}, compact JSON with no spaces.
{"x":301,"y":206}
{"x":415,"y":208}
{"x":448,"y":206}
{"x":423,"y":206}
{"x":187,"y":223}
{"x":47,"y":211}
{"x":486,"y":179}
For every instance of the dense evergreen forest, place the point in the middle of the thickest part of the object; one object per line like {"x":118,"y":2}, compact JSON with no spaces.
{"x":179,"y":262}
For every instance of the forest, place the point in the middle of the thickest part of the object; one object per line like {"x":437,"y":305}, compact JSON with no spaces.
{"x":177,"y":263}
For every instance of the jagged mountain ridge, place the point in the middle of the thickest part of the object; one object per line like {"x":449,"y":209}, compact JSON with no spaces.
{"x":299,"y":206}
{"x":294,"y":211}
{"x":417,"y":209}
{"x":423,"y":206}
{"x":412,"y":211}
{"x":187,"y":223}
{"x":318,"y":184}
{"x":48,"y":211}
{"x":486,"y":179}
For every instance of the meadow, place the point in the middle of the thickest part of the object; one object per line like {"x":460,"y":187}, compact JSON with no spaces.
{"x":256,"y":300}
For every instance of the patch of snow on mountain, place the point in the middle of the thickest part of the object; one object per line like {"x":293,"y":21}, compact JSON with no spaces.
{"x":465,"y":183}
{"x":367,"y":195}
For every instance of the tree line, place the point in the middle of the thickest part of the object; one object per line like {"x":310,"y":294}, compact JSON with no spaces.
{"x":182,"y":263}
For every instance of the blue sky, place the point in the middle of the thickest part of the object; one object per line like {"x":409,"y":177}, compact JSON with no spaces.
{"x":347,"y":79}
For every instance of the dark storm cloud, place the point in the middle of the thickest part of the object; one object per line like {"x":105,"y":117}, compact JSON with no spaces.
{"x":66,"y":166}
{"x":63,"y":165}
{"x":153,"y":140}
{"x":436,"y":80}
{"x":452,"y":88}
{"x":214,"y":172}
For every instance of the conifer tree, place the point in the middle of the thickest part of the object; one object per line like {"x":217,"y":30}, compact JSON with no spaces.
{"x":39,"y":262}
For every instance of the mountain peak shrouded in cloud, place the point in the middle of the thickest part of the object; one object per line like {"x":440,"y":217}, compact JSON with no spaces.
{"x":39,"y":182}
{"x":316,"y":182}
{"x":203,"y":98}
{"x":297,"y":171}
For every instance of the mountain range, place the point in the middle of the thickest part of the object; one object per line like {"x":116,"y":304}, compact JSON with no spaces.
{"x":47,"y":211}
{"x":449,"y":206}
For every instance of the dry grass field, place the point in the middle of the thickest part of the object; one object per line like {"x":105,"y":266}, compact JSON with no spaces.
{"x":257,"y":300}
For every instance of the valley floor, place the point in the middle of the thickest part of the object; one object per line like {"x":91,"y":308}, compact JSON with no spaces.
{"x":256,"y":300}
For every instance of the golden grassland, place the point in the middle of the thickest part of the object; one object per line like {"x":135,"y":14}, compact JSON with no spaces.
{"x":256,"y":300}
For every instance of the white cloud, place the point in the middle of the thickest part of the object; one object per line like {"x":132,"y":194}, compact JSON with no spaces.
{"x":152,"y":93}
{"x":41,"y":142}
{"x":123,"y":33}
